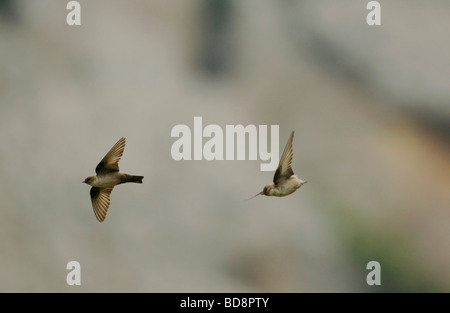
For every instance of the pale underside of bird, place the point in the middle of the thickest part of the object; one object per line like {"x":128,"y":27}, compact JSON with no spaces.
{"x":284,"y":180}
{"x":107,"y":177}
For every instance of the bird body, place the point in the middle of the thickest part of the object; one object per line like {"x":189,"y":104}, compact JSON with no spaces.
{"x":286,"y":188}
{"x":113,"y":179}
{"x":284,"y":180}
{"x":108,"y":176}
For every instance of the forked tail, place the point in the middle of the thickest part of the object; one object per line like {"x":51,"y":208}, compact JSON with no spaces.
{"x":134,"y":179}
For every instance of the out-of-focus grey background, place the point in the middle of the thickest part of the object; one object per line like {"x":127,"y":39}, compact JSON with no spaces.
{"x":370,"y":107}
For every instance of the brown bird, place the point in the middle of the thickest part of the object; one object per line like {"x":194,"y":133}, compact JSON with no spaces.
{"x":284,"y":180}
{"x":107,"y":177}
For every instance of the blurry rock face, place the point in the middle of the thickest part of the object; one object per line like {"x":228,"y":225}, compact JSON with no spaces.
{"x":357,"y":97}
{"x":403,"y":59}
{"x":7,"y":9}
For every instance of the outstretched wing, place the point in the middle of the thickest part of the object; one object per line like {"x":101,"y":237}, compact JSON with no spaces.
{"x":100,"y":198}
{"x":284,"y":170}
{"x":110,"y":163}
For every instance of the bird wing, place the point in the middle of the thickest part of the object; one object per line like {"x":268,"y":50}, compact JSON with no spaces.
{"x":100,"y":198}
{"x":110,"y":163}
{"x":284,"y":170}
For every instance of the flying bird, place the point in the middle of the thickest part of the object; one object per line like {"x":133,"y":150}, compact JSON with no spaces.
{"x":107,"y":177}
{"x":284,"y":180}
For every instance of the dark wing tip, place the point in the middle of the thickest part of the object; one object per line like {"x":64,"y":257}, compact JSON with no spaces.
{"x":110,"y":162}
{"x":100,"y":198}
{"x":284,"y":169}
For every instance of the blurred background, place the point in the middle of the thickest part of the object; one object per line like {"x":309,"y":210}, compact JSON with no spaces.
{"x":370,"y":107}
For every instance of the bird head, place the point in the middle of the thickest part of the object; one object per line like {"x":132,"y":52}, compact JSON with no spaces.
{"x":266,"y":190}
{"x":89,"y":180}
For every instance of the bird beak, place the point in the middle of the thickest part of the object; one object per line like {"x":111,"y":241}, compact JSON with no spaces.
{"x":261,"y":193}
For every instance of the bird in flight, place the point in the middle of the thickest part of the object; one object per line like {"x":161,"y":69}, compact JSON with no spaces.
{"x":284,"y":180}
{"x":107,"y":177}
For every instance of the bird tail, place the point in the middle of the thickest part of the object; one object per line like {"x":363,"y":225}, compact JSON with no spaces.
{"x":134,"y":179}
